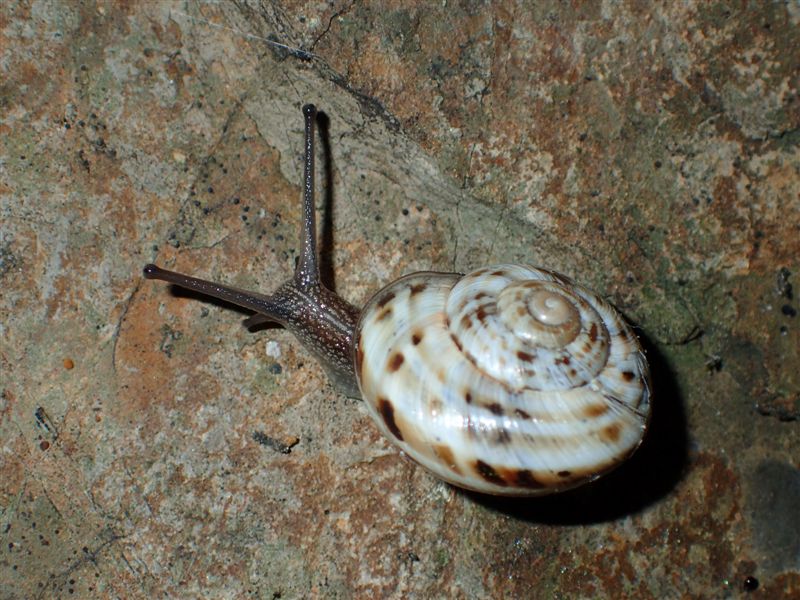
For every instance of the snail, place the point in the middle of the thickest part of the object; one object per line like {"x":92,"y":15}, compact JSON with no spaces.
{"x":510,"y":380}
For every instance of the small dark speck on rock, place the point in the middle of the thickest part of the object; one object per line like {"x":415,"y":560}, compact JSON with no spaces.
{"x":275,"y":369}
{"x":788,"y":310}
{"x":782,"y":285}
{"x":750,"y":584}
{"x":714,"y":363}
{"x":277,"y":445}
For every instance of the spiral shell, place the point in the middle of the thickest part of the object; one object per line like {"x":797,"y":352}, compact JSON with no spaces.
{"x":510,"y":380}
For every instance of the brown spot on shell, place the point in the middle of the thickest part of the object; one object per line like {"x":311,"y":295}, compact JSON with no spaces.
{"x":385,"y":300}
{"x":456,"y":342}
{"x":627,"y":376}
{"x":467,"y":397}
{"x":383,"y":314}
{"x":435,"y":405}
{"x":593,"y":333}
{"x":387,"y":412}
{"x":523,"y":478}
{"x":502,"y":437}
{"x":466,"y":321}
{"x":445,"y":454}
{"x":481,"y":295}
{"x":565,"y":474}
{"x":481,"y":314}
{"x":595,"y":410}
{"x":564,"y":360}
{"x":522,"y":414}
{"x":496,"y":409}
{"x":611,"y":433}
{"x":416,"y":338}
{"x":525,"y":356}
{"x":498,"y":273}
{"x":359,"y":356}
{"x":521,"y":311}
{"x":417,"y":288}
{"x":396,"y":360}
{"x":488,"y":473}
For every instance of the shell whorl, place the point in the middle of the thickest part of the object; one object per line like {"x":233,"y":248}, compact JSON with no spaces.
{"x":529,"y":328}
{"x":510,"y":380}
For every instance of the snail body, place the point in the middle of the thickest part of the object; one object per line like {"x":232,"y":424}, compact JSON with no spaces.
{"x":510,"y":380}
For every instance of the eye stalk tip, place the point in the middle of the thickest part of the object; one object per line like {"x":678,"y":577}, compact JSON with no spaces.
{"x":150,"y":271}
{"x":309,"y":110}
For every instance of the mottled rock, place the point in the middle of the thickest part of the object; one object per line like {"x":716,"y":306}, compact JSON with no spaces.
{"x":649,"y":151}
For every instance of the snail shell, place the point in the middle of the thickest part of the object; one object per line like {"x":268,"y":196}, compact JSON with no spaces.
{"x":510,"y":380}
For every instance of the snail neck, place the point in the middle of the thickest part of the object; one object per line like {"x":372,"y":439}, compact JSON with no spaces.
{"x":325,"y":324}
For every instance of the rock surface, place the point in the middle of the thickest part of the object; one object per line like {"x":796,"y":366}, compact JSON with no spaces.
{"x":150,"y":446}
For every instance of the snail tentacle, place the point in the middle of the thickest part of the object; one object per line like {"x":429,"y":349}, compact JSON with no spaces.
{"x":323,"y":321}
